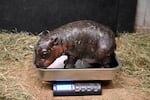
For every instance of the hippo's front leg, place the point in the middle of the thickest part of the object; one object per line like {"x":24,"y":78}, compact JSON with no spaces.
{"x":70,"y":62}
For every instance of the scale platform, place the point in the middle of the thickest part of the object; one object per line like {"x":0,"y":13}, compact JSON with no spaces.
{"x":80,"y":74}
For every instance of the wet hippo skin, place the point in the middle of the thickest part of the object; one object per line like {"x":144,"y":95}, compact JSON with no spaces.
{"x":85,"y":39}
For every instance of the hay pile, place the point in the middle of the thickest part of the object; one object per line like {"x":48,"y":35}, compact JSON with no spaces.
{"x":13,"y":48}
{"x":132,"y":49}
{"x":134,"y":53}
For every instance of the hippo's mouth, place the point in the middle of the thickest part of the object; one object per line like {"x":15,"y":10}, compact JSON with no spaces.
{"x":47,"y":63}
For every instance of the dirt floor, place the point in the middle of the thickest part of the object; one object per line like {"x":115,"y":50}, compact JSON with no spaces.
{"x":19,"y":78}
{"x":122,"y":88}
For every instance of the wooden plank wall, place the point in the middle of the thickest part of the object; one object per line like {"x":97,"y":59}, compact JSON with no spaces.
{"x":142,"y":23}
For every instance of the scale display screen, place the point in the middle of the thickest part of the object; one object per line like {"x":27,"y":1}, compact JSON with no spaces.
{"x":64,"y":87}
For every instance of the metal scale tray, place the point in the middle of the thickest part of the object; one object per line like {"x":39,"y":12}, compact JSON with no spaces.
{"x":80,"y":74}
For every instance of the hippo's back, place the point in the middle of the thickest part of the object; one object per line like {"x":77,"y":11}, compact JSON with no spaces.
{"x":81,"y":26}
{"x":86,"y":37}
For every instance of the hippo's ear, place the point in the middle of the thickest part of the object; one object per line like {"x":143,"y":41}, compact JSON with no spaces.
{"x":54,"y":40}
{"x":44,"y":33}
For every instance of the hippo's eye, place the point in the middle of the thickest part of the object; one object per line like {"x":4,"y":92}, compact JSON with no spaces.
{"x":44,"y":53}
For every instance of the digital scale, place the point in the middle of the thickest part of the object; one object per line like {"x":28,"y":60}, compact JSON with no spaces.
{"x":76,"y":80}
{"x":76,"y":88}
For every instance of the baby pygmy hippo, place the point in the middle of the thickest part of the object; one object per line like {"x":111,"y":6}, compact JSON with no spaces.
{"x":84,"y":39}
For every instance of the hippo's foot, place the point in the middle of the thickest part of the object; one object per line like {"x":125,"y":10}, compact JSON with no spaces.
{"x":68,"y":66}
{"x":70,"y":62}
{"x":106,"y":66}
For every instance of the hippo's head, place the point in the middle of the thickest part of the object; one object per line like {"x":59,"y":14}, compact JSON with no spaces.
{"x":47,"y":50}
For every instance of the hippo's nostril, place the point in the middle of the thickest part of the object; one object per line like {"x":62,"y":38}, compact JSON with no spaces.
{"x":37,"y":65}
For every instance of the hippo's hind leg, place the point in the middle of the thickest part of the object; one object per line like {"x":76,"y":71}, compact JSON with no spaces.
{"x":70,"y":63}
{"x":106,"y":62}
